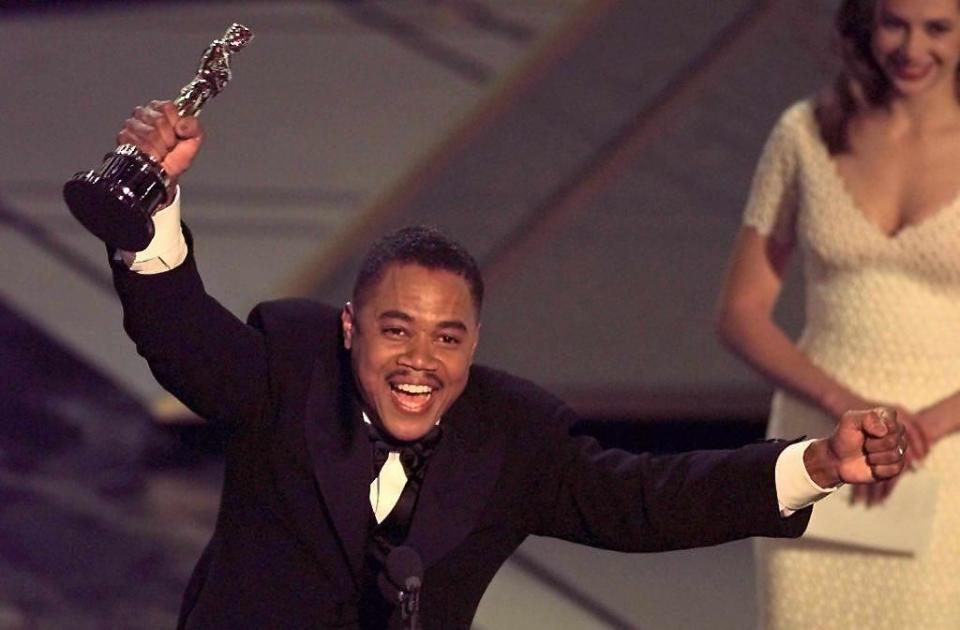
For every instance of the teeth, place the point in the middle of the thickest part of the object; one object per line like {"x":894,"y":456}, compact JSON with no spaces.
{"x":413,"y":389}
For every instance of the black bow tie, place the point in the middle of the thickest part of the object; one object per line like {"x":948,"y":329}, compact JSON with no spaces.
{"x":413,"y":455}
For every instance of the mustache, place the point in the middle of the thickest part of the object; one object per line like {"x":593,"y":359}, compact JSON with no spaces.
{"x":422,"y":378}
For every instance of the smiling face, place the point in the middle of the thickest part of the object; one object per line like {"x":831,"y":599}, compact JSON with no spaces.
{"x":916,"y":43}
{"x":411,"y":344}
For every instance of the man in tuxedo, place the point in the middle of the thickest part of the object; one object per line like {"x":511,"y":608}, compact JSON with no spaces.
{"x":356,"y":430}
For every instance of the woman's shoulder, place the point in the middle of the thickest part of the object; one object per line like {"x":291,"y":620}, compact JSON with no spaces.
{"x":796,"y":131}
{"x":798,"y":117}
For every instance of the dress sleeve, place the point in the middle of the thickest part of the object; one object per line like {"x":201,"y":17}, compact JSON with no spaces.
{"x":772,"y":205}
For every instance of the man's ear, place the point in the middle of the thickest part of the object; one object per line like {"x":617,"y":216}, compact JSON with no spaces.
{"x":347,"y":323}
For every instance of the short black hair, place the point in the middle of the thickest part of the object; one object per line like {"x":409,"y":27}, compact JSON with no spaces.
{"x":421,"y":245}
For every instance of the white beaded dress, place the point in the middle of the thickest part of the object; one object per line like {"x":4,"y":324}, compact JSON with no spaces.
{"x":882,"y":316}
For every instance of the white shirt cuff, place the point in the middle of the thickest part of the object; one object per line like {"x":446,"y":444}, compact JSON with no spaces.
{"x":167,"y":250}
{"x":795,"y":489}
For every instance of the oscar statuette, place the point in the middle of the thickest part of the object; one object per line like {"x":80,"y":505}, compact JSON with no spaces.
{"x":117,"y":201}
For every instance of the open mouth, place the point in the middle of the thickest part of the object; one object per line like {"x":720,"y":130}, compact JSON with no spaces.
{"x":411,"y":398}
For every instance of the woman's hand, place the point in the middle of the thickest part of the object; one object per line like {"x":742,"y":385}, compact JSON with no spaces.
{"x":938,"y":421}
{"x":873,"y":494}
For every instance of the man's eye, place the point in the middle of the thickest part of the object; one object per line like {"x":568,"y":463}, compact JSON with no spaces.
{"x":938,"y":28}
{"x":393,"y":332}
{"x":448,"y":340}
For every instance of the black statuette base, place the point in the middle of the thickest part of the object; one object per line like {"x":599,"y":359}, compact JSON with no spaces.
{"x":117,"y":202}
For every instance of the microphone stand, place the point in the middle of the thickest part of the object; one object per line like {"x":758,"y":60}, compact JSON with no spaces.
{"x":400,"y":582}
{"x":410,"y":604}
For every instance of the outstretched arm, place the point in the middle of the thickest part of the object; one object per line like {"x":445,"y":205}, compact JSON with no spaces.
{"x":196,"y":348}
{"x":612,"y":499}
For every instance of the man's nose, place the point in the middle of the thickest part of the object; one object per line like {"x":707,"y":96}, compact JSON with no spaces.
{"x":419,"y":354}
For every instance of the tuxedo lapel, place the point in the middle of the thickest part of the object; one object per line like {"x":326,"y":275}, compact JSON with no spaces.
{"x":341,"y":456}
{"x":459,"y":478}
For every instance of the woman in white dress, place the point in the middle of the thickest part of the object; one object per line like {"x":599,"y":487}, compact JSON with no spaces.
{"x":864,"y":182}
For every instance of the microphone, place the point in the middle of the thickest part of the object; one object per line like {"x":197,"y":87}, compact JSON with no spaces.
{"x":400,"y":582}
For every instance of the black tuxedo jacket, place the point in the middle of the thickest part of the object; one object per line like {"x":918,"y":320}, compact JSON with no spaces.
{"x":289,"y":542}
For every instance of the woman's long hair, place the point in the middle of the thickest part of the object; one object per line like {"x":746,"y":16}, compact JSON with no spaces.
{"x":861,"y":82}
